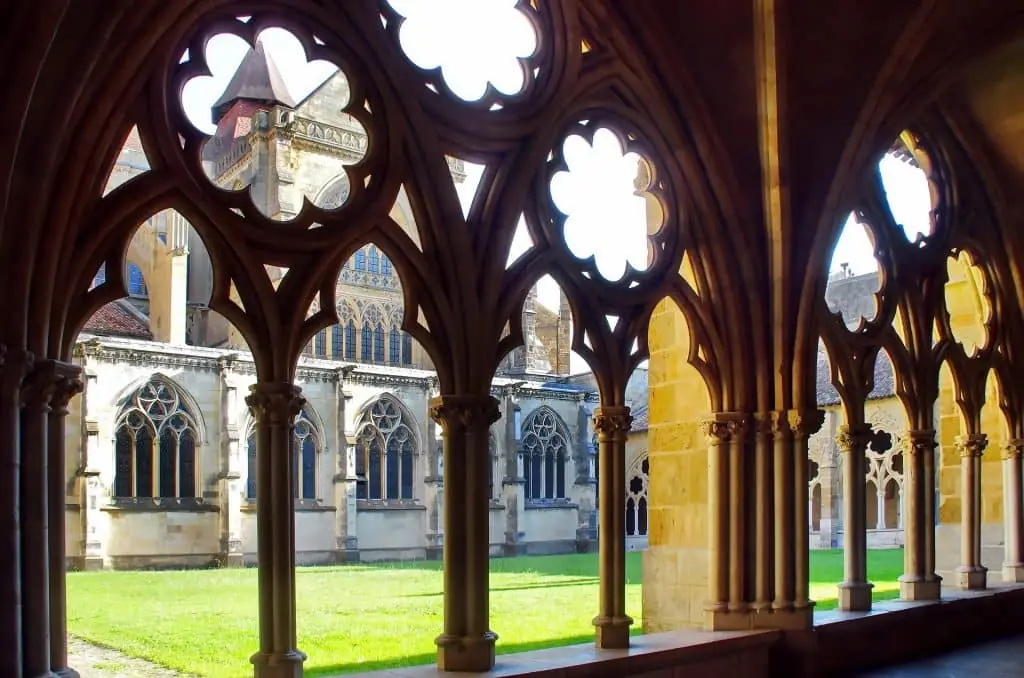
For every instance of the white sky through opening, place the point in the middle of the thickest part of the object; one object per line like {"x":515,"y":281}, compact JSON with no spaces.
{"x":602,"y":208}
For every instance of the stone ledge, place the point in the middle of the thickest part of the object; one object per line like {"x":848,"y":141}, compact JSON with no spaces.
{"x":548,"y":505}
{"x":689,"y":654}
{"x":382,"y":505}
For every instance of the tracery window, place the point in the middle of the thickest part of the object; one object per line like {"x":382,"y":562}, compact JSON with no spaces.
{"x":545,"y":455}
{"x":136,"y":283}
{"x":336,"y":343}
{"x":636,"y":498}
{"x":378,"y":344}
{"x":320,"y":343}
{"x":385,"y":451}
{"x":406,"y":349}
{"x":350,"y":340}
{"x":367,"y":343}
{"x":361,"y":260}
{"x":374,"y":260}
{"x":394,"y":347}
{"x":155,"y":445}
{"x":306,"y":448}
{"x":385,"y":265}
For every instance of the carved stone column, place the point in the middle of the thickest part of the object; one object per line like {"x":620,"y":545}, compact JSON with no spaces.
{"x":919,"y":581}
{"x":467,"y":643}
{"x":229,"y":494}
{"x":804,"y":424}
{"x":782,"y":440}
{"x":1013,"y":507}
{"x":275,"y":406}
{"x":612,"y":622}
{"x":13,"y":367}
{"x":763,"y":513}
{"x":68,"y":385}
{"x":719,"y":430}
{"x":36,"y":393}
{"x":971,"y":574}
{"x":855,"y":590}
{"x":346,"y":543}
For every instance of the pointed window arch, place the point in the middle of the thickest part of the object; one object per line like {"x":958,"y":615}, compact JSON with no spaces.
{"x":637,"y":482}
{"x":545,"y":440}
{"x":307,"y":442}
{"x":385,"y":451}
{"x":156,"y":444}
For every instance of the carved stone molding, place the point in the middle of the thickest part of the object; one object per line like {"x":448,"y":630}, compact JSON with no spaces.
{"x":612,"y":423}
{"x":919,"y":441}
{"x":853,"y":439}
{"x":805,"y":423}
{"x":275,"y":403}
{"x":39,"y":386}
{"x":723,"y":427}
{"x":971,"y":445}
{"x":1013,"y":449}
{"x":458,"y":413}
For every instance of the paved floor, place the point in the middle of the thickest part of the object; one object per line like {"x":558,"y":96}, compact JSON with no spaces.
{"x":997,"y":659}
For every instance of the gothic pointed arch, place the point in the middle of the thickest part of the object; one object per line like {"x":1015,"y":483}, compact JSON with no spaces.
{"x":157,"y":437}
{"x":386,"y":450}
{"x":309,"y":442}
{"x":637,"y":481}
{"x":546,"y":450}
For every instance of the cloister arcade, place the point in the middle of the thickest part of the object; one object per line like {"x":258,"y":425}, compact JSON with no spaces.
{"x":754,"y":136}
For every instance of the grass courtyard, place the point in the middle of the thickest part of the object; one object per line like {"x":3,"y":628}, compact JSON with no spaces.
{"x":364,"y":617}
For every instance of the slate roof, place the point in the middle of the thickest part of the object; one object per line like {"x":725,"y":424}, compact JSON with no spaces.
{"x":256,"y":79}
{"x":640,"y":419}
{"x":117,"y":319}
{"x":885,"y":380}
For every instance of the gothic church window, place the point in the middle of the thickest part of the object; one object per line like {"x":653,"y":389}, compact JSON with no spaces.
{"x":361,"y":260}
{"x":394,"y":347}
{"x":350,"y":340}
{"x":136,"y":283}
{"x":378,"y":345}
{"x":155,"y":445}
{"x":385,"y":265}
{"x":320,"y":344}
{"x":367,"y":343}
{"x":406,"y":349}
{"x":545,"y":455}
{"x":374,"y":260}
{"x":636,"y":499}
{"x":336,"y":344}
{"x":306,"y":447}
{"x":385,"y":451}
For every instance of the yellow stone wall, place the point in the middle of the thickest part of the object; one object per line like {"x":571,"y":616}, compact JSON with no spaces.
{"x":675,"y":564}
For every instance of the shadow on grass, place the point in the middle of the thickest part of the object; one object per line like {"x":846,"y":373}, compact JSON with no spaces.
{"x":581,"y":581}
{"x":429,"y":658}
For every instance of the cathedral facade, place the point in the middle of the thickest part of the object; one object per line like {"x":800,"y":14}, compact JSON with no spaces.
{"x":161,"y":445}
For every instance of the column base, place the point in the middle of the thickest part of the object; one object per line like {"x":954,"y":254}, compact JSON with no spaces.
{"x":67,"y":672}
{"x":970,"y":577}
{"x":278,"y":664}
{"x":855,"y":596}
{"x":612,"y":632}
{"x":1013,"y":572}
{"x":466,"y":653}
{"x":915,"y":590}
{"x":785,"y":619}
{"x":719,"y":619}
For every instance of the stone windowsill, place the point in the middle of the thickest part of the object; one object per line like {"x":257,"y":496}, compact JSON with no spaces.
{"x":497,"y":505}
{"x":301,"y":506}
{"x":653,"y":654}
{"x":143,"y":505}
{"x":389,"y":505}
{"x":545,"y":504}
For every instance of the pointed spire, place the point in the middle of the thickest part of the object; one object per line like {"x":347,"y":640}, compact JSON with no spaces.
{"x":256,"y":79}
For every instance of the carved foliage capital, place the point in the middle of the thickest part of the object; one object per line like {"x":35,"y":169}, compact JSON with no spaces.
{"x":1013,"y":449}
{"x":69,"y":384}
{"x":853,"y":439}
{"x":612,"y":423}
{"x":919,"y":441}
{"x":460,"y":413}
{"x":805,"y":423}
{"x":39,"y":386}
{"x":723,"y":428}
{"x":275,"y":403}
{"x":971,"y":445}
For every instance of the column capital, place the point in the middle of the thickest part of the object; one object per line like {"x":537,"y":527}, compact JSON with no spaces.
{"x":1013,"y":449}
{"x":971,"y":444}
{"x":275,"y":402}
{"x":853,"y":439}
{"x":723,"y":427}
{"x":39,"y":385}
{"x":464,"y":412}
{"x":612,"y":422}
{"x":805,"y":423}
{"x":919,"y":441}
{"x":69,"y":384}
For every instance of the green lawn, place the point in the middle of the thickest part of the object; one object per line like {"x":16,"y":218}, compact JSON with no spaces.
{"x":359,"y":618}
